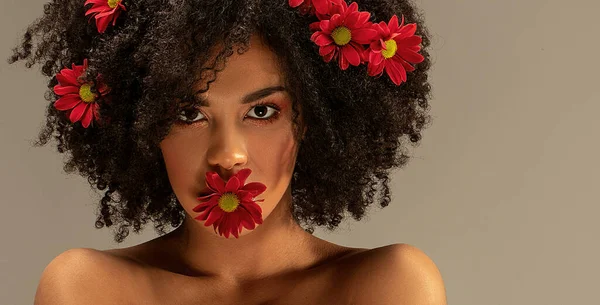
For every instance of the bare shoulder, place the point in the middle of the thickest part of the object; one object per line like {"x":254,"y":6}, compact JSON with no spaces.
{"x":81,"y":276}
{"x":396,"y":274}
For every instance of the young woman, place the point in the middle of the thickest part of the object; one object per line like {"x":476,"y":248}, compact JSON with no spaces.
{"x":242,"y":124}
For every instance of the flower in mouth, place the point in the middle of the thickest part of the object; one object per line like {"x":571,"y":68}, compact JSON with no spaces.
{"x":230,"y":205}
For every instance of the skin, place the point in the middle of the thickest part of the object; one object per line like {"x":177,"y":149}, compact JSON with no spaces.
{"x":227,"y":136}
{"x":275,"y":263}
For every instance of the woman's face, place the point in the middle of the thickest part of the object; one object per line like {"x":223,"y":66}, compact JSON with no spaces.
{"x":233,"y":132}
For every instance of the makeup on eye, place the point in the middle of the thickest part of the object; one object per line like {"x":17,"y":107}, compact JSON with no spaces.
{"x":268,"y":118}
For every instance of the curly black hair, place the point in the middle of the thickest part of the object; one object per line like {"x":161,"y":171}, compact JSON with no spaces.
{"x":159,"y":49}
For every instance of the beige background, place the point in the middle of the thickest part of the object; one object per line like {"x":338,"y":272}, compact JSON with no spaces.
{"x":503,"y":194}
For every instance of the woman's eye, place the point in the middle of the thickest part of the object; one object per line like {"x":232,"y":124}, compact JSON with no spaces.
{"x":264,"y":112}
{"x":190,"y":115}
{"x":259,"y":112}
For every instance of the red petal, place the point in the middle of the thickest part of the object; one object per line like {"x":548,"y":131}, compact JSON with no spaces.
{"x":321,"y":39}
{"x":406,"y":65}
{"x":91,"y":1}
{"x":363,"y":17}
{"x":335,"y":21}
{"x":255,"y":188}
{"x":295,"y":3}
{"x":393,"y":24}
{"x":315,"y":26}
{"x":214,"y":181}
{"x":384,"y":29}
{"x":324,"y":50}
{"x":97,"y":9}
{"x":202,"y":206}
{"x":243,"y":174}
{"x":87,"y":117}
{"x":409,"y":41}
{"x":353,"y":7}
{"x":96,"y":113}
{"x":351,"y":54}
{"x":254,"y":210}
{"x":67,"y":102}
{"x":62,"y":90}
{"x":364,"y":35}
{"x":110,"y":12}
{"x":224,"y":227}
{"x":324,"y":24}
{"x":233,"y":184}
{"x":234,"y":224}
{"x":215,"y":214}
{"x":410,"y":56}
{"x":77,"y":112}
{"x":102,"y":24}
{"x":115,"y":16}
{"x":66,"y":80}
{"x":395,"y":71}
{"x":70,"y":73}
{"x":343,"y":62}
{"x":204,"y":209}
{"x":203,"y":198}
{"x":246,"y":219}
{"x":375,"y":58}
{"x":408,"y":30}
{"x":322,"y":6}
{"x":330,"y":56}
{"x":352,"y":19}
{"x":375,"y":70}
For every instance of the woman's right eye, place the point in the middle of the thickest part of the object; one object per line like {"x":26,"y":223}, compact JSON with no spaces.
{"x":190,"y":115}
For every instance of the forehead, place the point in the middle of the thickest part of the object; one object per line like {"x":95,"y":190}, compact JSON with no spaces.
{"x":252,"y":70}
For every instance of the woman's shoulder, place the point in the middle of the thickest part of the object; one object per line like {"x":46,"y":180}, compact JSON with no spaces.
{"x":80,"y":276}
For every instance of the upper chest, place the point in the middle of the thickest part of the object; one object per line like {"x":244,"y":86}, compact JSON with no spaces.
{"x":337,"y":281}
{"x":328,"y":284}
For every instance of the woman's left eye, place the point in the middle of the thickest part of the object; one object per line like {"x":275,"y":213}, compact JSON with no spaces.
{"x":264,"y":111}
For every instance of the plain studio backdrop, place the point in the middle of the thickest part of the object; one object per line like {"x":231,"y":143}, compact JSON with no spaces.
{"x":503,"y":193}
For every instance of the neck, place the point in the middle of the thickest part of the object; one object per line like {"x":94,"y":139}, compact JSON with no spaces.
{"x":279,"y":245}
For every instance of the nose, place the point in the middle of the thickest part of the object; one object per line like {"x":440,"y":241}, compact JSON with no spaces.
{"x":227,"y":151}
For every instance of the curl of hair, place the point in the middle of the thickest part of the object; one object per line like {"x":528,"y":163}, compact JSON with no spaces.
{"x":358,"y":125}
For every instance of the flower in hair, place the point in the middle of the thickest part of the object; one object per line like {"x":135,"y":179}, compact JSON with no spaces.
{"x":230,"y":205}
{"x":104,"y":11}
{"x":394,"y":50}
{"x":342,"y":34}
{"x":77,"y":95}
{"x":310,"y":6}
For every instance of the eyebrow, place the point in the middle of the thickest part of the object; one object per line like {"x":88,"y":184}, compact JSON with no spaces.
{"x":254,"y":96}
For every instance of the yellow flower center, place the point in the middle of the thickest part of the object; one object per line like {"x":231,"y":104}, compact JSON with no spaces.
{"x":341,"y":35}
{"x":228,"y":202}
{"x":113,"y":3}
{"x":86,"y":93}
{"x":390,"y":48}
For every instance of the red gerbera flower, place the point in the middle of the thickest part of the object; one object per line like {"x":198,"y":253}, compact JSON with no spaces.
{"x":77,"y":94}
{"x":104,"y":11}
{"x":310,"y":6}
{"x":395,"y":48}
{"x":343,"y":34}
{"x":231,"y":206}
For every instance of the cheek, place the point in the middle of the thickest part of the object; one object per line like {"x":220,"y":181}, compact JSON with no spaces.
{"x":275,"y":157}
{"x":181,"y":166}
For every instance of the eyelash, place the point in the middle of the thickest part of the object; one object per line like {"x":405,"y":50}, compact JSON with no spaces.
{"x":268,"y":120}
